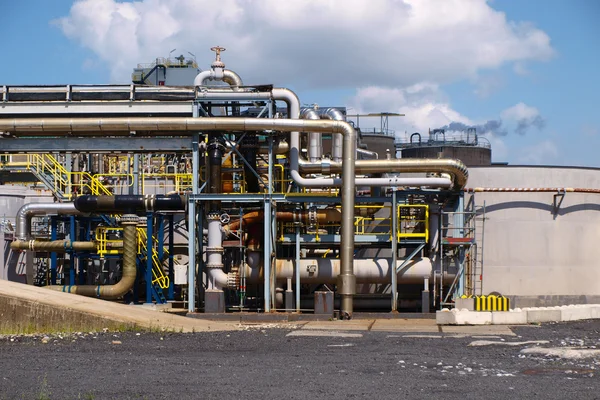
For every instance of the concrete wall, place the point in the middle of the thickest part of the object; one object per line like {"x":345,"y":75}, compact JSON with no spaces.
{"x":531,"y":252}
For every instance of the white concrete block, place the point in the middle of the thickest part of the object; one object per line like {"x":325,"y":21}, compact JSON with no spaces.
{"x":512,"y":317}
{"x":575,"y":312}
{"x":445,"y":317}
{"x":473,"y":317}
{"x":595,"y":311}
{"x":543,"y":314}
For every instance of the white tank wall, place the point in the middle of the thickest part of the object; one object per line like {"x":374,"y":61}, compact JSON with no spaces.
{"x":530,"y":252}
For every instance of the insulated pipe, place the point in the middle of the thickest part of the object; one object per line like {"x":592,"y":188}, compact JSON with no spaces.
{"x":456,"y":168}
{"x":117,"y":290}
{"x":326,"y":270}
{"x":55,"y":245}
{"x":233,"y":79}
{"x":336,"y":139}
{"x":315,"y":146}
{"x":215,"y":158}
{"x":25,"y":213}
{"x":368,"y":153}
{"x":129,"y":203}
{"x":217,"y":278}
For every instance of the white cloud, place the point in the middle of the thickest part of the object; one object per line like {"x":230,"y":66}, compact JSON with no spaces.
{"x":311,"y":43}
{"x":424,"y":105}
{"x":544,"y":152}
{"x":524,"y":117}
{"x":520,"y":111}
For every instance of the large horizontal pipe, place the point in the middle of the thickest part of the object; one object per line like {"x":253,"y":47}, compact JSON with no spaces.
{"x":55,"y":245}
{"x":456,"y":168}
{"x":129,"y":203}
{"x":25,"y":213}
{"x":326,"y":270}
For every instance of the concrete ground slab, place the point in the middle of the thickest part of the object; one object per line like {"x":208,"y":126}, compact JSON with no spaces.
{"x":500,"y":330}
{"x":353,"y":325}
{"x":406,"y":325}
{"x":317,"y":333}
{"x":30,"y":308}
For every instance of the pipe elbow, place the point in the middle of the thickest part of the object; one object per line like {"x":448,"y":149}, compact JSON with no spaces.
{"x":232,"y":79}
{"x":203,"y":76}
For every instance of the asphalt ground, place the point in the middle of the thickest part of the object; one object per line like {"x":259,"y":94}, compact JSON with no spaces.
{"x":270,"y":362}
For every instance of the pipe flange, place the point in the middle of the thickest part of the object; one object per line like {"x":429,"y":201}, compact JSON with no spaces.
{"x":214,"y":266}
{"x":312,"y":216}
{"x":233,"y":280}
{"x":129,"y":219}
{"x":215,"y":249}
{"x":213,"y":216}
{"x":326,"y":166}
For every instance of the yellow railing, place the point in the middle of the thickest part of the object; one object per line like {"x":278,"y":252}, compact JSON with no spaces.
{"x":62,"y":181}
{"x":107,"y":246}
{"x":413,"y":223}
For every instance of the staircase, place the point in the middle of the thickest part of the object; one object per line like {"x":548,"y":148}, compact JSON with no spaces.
{"x":56,"y":178}
{"x":160,"y":281}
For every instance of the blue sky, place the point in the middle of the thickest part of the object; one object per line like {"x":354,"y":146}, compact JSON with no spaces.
{"x":544,"y":63}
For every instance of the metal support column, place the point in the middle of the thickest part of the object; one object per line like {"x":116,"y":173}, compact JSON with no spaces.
{"x":297,"y":269}
{"x":72,"y":255}
{"x":149,"y":248}
{"x":192,"y":224}
{"x":394,"y":251}
{"x":459,"y":223}
{"x":53,"y":255}
{"x":171,"y":294}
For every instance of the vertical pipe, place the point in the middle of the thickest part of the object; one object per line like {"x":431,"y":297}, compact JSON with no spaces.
{"x":297,"y":269}
{"x":394,"y":251}
{"x":192,"y":223}
{"x":53,"y":255}
{"x":347,"y":279}
{"x":149,"y":248}
{"x":171,"y":295}
{"x":68,"y":164}
{"x":267,"y":254}
{"x":199,"y":235}
{"x":136,"y":174}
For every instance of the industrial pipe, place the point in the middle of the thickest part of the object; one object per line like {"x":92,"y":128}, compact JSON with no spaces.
{"x":25,"y":213}
{"x":336,"y":138}
{"x":315,"y":145}
{"x":455,"y":168}
{"x":129,"y":222}
{"x":129,"y":204}
{"x":55,"y":245}
{"x":326,"y":270}
{"x":325,"y":216}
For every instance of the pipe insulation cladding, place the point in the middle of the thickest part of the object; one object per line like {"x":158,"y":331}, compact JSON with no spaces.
{"x":127,"y":280}
{"x":129,"y":203}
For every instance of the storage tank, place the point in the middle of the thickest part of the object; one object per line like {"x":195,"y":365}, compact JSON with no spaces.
{"x":379,"y":142}
{"x":471,"y":149}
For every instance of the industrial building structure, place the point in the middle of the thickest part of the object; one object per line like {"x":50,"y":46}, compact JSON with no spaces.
{"x":232,"y":197}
